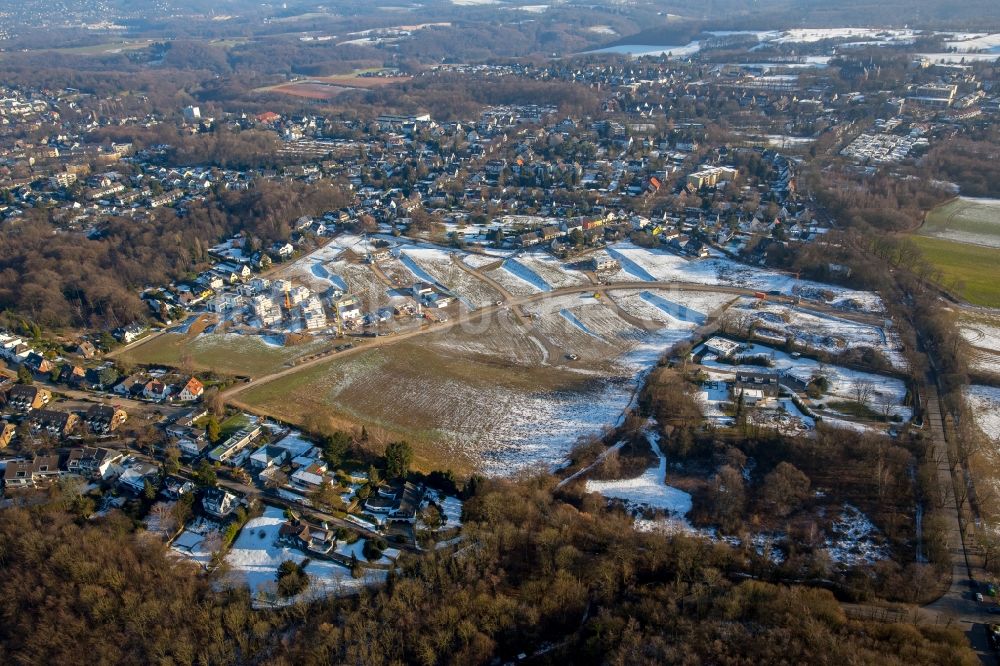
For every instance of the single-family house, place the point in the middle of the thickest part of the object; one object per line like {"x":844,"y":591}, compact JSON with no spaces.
{"x":218,"y":502}
{"x":156,"y":390}
{"x":192,"y":390}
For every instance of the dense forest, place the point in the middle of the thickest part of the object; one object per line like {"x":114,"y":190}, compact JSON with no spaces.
{"x":559,"y":579}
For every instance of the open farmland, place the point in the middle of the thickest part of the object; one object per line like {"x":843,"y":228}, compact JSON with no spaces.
{"x":367,"y":82}
{"x":458,"y":411}
{"x":972,"y":271}
{"x":308,"y":90}
{"x":965,"y":220}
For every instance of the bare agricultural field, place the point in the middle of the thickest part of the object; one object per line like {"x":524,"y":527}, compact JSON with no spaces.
{"x":965,"y":220}
{"x":367,"y":82}
{"x":308,"y":90}
{"x":980,"y":329}
{"x":225,"y":353}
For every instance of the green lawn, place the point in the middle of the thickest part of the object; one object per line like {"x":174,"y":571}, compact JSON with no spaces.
{"x":227,"y":354}
{"x":971,"y":271}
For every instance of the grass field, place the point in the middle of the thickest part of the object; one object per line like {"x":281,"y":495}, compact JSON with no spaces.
{"x":224,"y":354}
{"x":971,"y":271}
{"x":965,"y":220}
{"x":465,"y":400}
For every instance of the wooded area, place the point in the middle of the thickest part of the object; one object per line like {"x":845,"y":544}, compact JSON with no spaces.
{"x":564,"y":581}
{"x":63,"y":279}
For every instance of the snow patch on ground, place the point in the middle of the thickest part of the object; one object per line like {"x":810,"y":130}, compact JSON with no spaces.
{"x":984,"y":403}
{"x":255,"y":557}
{"x":648,"y":490}
{"x":855,"y":539}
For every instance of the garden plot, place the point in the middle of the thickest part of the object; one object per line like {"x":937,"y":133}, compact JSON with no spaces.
{"x":648,"y":490}
{"x":639,"y":263}
{"x":256,"y":555}
{"x":198,"y":542}
{"x":820,"y":331}
{"x":443,"y":271}
{"x":842,"y":381}
{"x":549,"y":270}
{"x":984,"y":403}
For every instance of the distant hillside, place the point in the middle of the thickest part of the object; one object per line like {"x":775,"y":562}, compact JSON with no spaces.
{"x":978,"y":15}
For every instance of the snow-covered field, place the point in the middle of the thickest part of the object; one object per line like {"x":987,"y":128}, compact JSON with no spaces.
{"x":648,"y":490}
{"x":856,"y":35}
{"x":255,"y":556}
{"x":518,"y":285}
{"x":982,"y":332}
{"x":820,"y":331}
{"x":548,"y":273}
{"x":657,"y":265}
{"x":989,"y":42}
{"x":984,"y":402}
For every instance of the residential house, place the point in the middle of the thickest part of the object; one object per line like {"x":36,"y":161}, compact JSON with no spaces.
{"x":30,"y":473}
{"x":7,"y":431}
{"x":103,"y":419}
{"x":236,"y":443}
{"x":38,"y":363}
{"x":283,"y":250}
{"x":136,"y":475}
{"x":395,"y":503}
{"x":192,"y":390}
{"x":268,"y":456}
{"x":174,"y":487}
{"x":96,"y":462}
{"x":56,"y":424}
{"x":130,"y":333}
{"x":218,"y":502}
{"x":721,"y":347}
{"x":25,"y":397}
{"x":763,"y":381}
{"x":130,"y":386}
{"x":156,"y":390}
{"x":310,"y":477}
{"x":298,"y":534}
